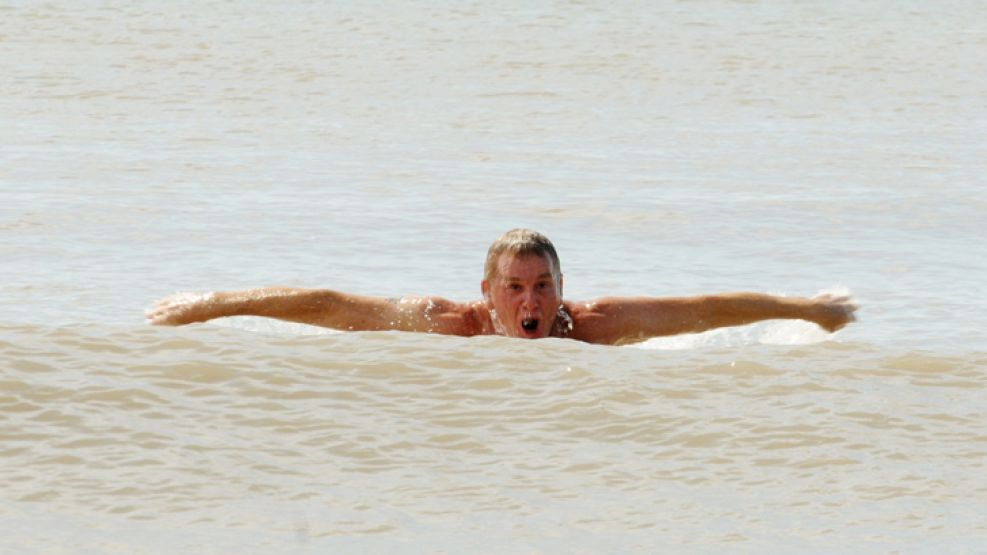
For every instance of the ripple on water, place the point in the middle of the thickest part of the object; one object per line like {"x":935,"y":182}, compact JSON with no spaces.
{"x":213,"y":425}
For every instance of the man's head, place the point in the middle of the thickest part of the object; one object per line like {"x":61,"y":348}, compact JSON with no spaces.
{"x":522,"y":283}
{"x":521,"y":242}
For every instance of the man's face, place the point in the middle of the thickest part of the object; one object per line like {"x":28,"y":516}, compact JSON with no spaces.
{"x":525,"y":295}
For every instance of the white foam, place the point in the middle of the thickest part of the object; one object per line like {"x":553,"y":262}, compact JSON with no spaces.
{"x":270,"y":326}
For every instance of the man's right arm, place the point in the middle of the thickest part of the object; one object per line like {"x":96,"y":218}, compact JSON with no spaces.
{"x":317,"y":307}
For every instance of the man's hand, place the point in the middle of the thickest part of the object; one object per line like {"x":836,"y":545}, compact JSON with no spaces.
{"x":833,"y":311}
{"x":180,"y":309}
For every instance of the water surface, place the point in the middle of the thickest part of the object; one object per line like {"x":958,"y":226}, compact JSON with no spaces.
{"x":667,"y":149}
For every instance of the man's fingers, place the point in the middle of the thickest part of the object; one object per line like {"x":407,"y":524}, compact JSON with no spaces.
{"x":839,"y":309}
{"x":845,"y":301}
{"x":157,"y":314}
{"x":175,"y":309}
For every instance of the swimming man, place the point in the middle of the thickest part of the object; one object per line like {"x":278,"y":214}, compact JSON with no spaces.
{"x":522,"y":297}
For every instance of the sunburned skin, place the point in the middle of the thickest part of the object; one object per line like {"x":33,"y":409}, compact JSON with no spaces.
{"x":522,"y":297}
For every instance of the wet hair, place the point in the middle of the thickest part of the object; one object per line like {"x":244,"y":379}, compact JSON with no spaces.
{"x":521,"y":242}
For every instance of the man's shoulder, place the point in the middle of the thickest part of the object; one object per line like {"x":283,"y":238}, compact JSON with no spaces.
{"x":593,"y":308}
{"x":612,"y":320}
{"x":589,"y":320}
{"x":468,"y":318}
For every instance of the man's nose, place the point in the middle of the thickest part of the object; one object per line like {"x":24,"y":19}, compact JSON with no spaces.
{"x":530,"y":298}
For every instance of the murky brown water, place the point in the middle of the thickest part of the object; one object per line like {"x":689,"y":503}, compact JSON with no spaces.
{"x":667,"y":148}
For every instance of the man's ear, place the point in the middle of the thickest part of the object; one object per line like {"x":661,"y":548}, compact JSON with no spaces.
{"x":485,"y":288}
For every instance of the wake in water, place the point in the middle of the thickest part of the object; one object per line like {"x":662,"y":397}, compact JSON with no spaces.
{"x":770,"y":333}
{"x":181,"y":438}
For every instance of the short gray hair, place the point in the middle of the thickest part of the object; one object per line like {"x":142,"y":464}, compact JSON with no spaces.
{"x":521,"y":242}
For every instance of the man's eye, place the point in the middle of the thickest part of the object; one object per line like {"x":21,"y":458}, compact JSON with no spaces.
{"x":515,"y":287}
{"x":543,"y":285}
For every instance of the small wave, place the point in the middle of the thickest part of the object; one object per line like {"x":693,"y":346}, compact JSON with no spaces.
{"x":783,"y":332}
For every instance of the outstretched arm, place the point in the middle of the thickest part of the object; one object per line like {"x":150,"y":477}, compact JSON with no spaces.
{"x":628,"y":320}
{"x":318,"y":307}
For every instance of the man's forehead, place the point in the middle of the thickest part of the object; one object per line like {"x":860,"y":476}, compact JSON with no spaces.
{"x":512,"y":265}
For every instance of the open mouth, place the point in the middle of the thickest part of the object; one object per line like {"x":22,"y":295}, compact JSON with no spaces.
{"x":529,"y":324}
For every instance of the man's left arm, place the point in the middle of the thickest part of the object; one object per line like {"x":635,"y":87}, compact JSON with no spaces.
{"x":618,"y":320}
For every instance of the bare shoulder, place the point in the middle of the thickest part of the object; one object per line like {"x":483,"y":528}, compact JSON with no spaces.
{"x":438,"y":315}
{"x":622,"y":320}
{"x":593,"y":321}
{"x":466,"y":318}
{"x":621,"y":307}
